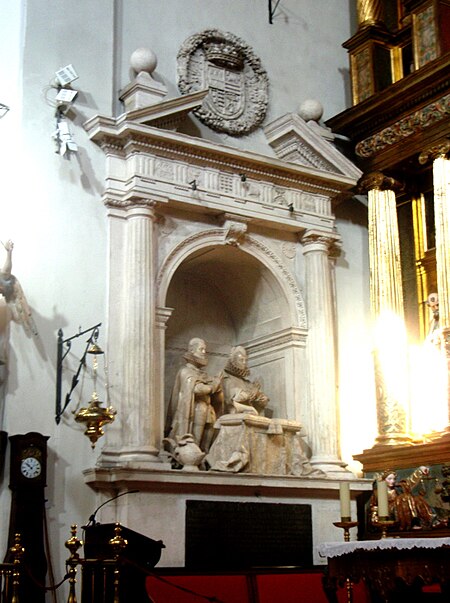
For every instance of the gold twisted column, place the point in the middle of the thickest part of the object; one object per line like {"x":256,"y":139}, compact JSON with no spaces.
{"x":370,"y":12}
{"x":386,"y":293}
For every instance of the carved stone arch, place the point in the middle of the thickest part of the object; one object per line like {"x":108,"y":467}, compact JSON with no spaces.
{"x":272,"y":325}
{"x":250,"y":245}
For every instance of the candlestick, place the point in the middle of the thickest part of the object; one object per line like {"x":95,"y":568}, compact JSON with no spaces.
{"x":384,"y":523}
{"x":344,"y":499}
{"x":345,"y":525}
{"x":382,"y":496}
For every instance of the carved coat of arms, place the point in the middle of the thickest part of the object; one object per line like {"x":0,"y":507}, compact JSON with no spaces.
{"x":238,"y":85}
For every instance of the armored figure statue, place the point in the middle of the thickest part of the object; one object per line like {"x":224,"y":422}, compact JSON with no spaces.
{"x":241,"y":394}
{"x":196,"y":398}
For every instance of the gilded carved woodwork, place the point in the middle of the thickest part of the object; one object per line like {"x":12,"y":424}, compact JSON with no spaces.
{"x":370,"y":12}
{"x":410,"y":125}
{"x":396,"y":133}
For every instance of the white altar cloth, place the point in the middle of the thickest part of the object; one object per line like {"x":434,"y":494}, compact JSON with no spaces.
{"x":336,"y":549}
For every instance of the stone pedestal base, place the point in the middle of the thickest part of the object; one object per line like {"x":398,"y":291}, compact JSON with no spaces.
{"x":143,"y":456}
{"x":249,"y":443}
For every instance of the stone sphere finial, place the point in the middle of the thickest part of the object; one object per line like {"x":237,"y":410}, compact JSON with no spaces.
{"x":310,"y":110}
{"x":143,"y":59}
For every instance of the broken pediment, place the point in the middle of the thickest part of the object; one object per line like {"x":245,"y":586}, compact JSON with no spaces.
{"x":305,"y":143}
{"x":167,"y":114}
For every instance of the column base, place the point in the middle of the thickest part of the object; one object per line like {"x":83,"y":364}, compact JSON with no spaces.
{"x":133,"y":457}
{"x":394,"y":439}
{"x":332,"y":467}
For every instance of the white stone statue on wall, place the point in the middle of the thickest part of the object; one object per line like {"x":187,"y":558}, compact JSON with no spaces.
{"x":15,"y":305}
{"x":196,"y":399}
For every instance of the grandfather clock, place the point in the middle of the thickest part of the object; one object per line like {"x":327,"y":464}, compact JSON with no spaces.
{"x":28,"y":473}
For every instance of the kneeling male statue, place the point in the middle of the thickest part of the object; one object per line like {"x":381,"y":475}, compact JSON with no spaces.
{"x":196,"y":398}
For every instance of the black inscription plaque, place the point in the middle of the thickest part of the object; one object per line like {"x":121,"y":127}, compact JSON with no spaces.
{"x":236,"y":536}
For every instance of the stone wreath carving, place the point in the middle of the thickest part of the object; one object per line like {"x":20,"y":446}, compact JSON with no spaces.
{"x":238,"y":84}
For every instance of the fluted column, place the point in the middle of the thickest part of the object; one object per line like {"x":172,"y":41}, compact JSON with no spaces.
{"x":141,"y":421}
{"x":441,"y":186}
{"x":441,"y":192}
{"x":386,"y":294}
{"x":323,"y":428}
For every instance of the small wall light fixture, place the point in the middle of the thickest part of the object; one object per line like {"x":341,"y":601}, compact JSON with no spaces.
{"x":64,"y":100}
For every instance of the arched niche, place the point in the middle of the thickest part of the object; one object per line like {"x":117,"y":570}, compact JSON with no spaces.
{"x":227,"y":296}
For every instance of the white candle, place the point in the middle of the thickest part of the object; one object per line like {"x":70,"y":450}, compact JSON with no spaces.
{"x":382,"y":496}
{"x":344,"y":499}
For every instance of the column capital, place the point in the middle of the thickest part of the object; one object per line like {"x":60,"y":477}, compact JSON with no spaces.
{"x":440,"y":149}
{"x":134,"y":206}
{"x":162,"y":315}
{"x":379,"y":181}
{"x":317,"y":240}
{"x":131,"y":203}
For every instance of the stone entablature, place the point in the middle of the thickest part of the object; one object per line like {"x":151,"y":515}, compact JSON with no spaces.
{"x":147,"y":162}
{"x":224,"y":191}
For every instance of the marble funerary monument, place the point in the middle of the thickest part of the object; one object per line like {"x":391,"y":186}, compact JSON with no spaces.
{"x":233,"y":248}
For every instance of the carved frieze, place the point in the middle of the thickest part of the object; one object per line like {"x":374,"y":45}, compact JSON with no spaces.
{"x":411,"y":124}
{"x":237,"y":83}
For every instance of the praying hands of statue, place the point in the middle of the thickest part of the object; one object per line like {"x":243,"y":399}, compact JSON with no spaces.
{"x":207,"y":386}
{"x":216,"y":384}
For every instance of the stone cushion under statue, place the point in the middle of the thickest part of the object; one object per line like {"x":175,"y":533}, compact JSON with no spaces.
{"x":249,"y":443}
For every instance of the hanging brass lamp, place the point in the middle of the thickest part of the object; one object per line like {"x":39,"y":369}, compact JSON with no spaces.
{"x":95,"y":417}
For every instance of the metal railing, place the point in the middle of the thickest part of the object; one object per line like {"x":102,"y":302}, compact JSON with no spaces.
{"x":100,"y":578}
{"x":89,"y":580}
{"x":10,"y":574}
{"x":100,"y":582}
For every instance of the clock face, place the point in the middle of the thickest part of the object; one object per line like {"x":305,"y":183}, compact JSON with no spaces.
{"x":30,"y":467}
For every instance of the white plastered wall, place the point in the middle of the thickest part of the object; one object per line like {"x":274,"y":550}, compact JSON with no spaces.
{"x":51,"y":205}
